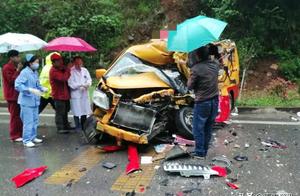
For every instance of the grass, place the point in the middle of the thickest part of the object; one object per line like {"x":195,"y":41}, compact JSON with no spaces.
{"x":263,"y":99}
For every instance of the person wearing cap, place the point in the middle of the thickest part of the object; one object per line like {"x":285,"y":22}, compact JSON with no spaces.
{"x":10,"y":72}
{"x":46,"y":98}
{"x":79,"y":83}
{"x":30,"y":89}
{"x":59,"y":76}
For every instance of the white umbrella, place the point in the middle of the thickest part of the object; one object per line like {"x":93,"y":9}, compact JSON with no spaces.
{"x":20,"y":42}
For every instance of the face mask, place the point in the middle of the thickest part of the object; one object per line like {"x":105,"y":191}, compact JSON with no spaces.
{"x":35,"y":66}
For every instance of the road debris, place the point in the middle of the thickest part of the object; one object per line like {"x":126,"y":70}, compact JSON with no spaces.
{"x":28,"y":175}
{"x":191,"y":190}
{"x":130,"y":193}
{"x":247,"y":145}
{"x":223,"y":160}
{"x":109,"y":165}
{"x":273,"y":144}
{"x":70,"y":183}
{"x":176,"y":152}
{"x":82,"y":169}
{"x":164,"y":182}
{"x":182,"y":141}
{"x":188,"y":170}
{"x":231,"y":185}
{"x":294,"y":118}
{"x":160,"y":148}
{"x":240,"y":158}
{"x":146,"y":160}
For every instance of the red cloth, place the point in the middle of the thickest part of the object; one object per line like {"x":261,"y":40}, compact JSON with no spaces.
{"x":111,"y":148}
{"x":59,"y":83}
{"x":28,"y":175}
{"x":15,"y":122}
{"x":10,"y":74}
{"x":133,"y":158}
{"x":221,"y":170}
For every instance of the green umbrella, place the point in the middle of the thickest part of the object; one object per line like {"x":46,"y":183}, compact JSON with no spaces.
{"x":194,"y":33}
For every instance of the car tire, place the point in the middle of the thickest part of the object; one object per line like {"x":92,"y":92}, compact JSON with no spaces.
{"x":184,"y":121}
{"x":92,"y":136}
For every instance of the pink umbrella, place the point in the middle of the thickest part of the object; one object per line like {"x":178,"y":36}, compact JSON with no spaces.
{"x":69,"y":44}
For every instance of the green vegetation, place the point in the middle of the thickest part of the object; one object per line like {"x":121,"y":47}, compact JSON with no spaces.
{"x":263,"y":99}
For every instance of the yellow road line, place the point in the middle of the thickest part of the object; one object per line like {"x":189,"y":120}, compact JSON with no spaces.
{"x":71,"y":171}
{"x":136,"y":181}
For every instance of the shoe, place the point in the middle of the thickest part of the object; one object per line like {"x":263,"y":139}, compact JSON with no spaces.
{"x":18,"y":140}
{"x":37,"y":140}
{"x":63,"y":131}
{"x":29,"y":145}
{"x":69,"y":128}
{"x":197,"y":156}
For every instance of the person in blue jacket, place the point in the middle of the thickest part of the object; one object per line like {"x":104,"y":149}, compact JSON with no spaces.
{"x":30,"y":91}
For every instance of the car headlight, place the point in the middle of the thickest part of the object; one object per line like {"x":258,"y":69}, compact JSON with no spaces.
{"x":101,"y":100}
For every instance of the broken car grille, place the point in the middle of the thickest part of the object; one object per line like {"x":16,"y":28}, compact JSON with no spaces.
{"x":134,"y":117}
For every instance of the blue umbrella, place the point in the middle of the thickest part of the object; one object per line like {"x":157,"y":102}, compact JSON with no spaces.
{"x":194,"y":33}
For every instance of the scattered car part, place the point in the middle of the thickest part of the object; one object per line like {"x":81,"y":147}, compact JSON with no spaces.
{"x":188,"y":170}
{"x":109,"y":165}
{"x":28,"y":175}
{"x":273,"y":144}
{"x":137,"y":117}
{"x":182,"y":141}
{"x":222,"y":159}
{"x":240,"y":158}
{"x":176,"y":152}
{"x":231,"y":185}
{"x":133,"y":159}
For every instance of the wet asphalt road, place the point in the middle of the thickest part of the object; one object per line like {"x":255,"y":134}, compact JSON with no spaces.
{"x":269,"y":171}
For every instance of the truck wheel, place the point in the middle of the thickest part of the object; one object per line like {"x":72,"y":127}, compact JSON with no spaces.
{"x":92,"y":136}
{"x":184,"y":122}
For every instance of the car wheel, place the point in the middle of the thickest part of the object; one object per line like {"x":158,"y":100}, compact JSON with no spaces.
{"x":92,"y":136}
{"x":184,"y":122}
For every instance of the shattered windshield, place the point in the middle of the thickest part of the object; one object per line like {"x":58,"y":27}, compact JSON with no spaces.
{"x":129,"y":64}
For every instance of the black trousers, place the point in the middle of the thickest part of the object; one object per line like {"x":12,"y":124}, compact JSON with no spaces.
{"x":61,"y":114}
{"x":44,"y":103}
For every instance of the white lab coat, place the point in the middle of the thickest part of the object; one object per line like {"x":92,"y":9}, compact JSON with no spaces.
{"x":80,"y":103}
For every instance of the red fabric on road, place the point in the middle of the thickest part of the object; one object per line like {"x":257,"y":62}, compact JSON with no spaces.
{"x":28,"y":175}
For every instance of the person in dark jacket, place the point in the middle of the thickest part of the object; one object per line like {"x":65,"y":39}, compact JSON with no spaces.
{"x":204,"y":81}
{"x":59,"y":76}
{"x":10,"y":72}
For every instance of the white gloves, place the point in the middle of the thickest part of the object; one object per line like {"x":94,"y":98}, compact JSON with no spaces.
{"x":82,"y":88}
{"x":35,"y":91}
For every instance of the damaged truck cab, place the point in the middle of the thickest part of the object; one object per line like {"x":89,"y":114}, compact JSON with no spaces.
{"x":144,"y":93}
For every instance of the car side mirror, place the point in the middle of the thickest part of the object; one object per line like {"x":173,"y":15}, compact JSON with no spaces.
{"x":100,"y":73}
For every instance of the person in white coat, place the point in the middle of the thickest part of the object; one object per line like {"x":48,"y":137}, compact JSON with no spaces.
{"x":79,"y":83}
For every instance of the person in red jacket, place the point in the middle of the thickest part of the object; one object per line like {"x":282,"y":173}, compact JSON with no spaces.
{"x":10,"y":72}
{"x":59,"y":75}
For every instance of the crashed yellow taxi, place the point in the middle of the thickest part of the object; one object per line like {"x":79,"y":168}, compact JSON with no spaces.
{"x":144,"y":93}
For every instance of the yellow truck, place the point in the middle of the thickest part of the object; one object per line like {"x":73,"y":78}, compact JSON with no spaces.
{"x":143,"y":93}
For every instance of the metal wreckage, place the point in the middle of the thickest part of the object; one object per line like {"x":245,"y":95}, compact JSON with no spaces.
{"x":144,"y":93}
